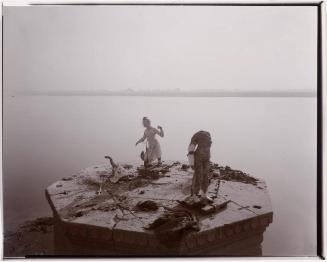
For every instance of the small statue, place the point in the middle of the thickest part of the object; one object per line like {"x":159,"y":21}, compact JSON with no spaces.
{"x":199,"y":158}
{"x":153,"y":150}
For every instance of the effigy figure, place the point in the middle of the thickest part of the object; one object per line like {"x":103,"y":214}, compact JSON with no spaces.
{"x":199,"y":158}
{"x":153,"y":150}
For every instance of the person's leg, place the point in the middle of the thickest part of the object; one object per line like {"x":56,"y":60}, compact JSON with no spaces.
{"x":205,"y":178}
{"x":201,"y":177}
{"x":157,"y":151}
{"x":148,"y":156}
{"x":196,"y":176}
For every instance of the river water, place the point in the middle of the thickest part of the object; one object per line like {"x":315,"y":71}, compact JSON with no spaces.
{"x":47,"y":138}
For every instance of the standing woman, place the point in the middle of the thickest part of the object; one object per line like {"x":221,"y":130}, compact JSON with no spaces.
{"x":153,"y":150}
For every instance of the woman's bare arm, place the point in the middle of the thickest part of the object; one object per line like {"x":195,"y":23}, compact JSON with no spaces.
{"x":160,"y":132}
{"x":141,"y":139}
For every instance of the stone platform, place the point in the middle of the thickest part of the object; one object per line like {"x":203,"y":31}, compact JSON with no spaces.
{"x":111,"y":224}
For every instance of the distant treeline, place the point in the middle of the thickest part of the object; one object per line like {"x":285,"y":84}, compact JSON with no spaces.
{"x":180,"y":93}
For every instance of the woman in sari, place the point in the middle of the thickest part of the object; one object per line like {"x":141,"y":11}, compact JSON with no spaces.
{"x":153,"y":150}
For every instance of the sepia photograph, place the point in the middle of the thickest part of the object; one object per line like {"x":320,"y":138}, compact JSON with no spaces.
{"x":161,"y":130}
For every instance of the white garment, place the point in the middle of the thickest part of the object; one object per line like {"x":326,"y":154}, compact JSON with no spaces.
{"x":153,"y":150}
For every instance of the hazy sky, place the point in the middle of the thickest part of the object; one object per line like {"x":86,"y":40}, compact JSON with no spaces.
{"x":64,"y":48}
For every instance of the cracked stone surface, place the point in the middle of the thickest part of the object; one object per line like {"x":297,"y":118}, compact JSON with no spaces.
{"x":75,"y":202}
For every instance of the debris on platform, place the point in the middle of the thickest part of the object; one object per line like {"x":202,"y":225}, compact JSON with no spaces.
{"x":185,"y":167}
{"x":150,"y":206}
{"x":228,"y":174}
{"x":173,"y":225}
{"x":147,"y":205}
{"x":214,"y":208}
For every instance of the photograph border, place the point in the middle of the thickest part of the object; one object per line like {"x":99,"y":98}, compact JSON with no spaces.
{"x":321,"y":208}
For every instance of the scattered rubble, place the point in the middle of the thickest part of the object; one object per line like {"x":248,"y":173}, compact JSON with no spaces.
{"x":185,"y":167}
{"x":78,"y":214}
{"x":228,"y":174}
{"x":138,"y":182}
{"x":127,"y":166}
{"x":214,"y":208}
{"x":147,"y":205}
{"x":173,"y":225}
{"x":189,"y":202}
{"x":67,"y":179}
{"x":203,"y":206}
{"x":155,"y":199}
{"x":152,"y":173}
{"x":145,"y":177}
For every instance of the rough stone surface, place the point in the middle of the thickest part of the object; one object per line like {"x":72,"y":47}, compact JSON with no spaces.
{"x":111,"y":223}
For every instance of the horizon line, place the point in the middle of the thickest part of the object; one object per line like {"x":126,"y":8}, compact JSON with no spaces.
{"x":175,"y":93}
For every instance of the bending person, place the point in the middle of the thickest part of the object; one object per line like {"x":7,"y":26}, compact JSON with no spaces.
{"x":200,"y":148}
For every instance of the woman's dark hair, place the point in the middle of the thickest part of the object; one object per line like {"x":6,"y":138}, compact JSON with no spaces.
{"x":146,"y":119}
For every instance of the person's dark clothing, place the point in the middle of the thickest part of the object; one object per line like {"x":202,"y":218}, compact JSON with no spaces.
{"x":201,"y":161}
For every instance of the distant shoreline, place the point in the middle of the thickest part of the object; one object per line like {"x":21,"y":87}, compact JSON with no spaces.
{"x":176,"y":94}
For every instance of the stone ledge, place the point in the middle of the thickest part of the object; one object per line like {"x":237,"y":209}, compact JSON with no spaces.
{"x":95,"y":231}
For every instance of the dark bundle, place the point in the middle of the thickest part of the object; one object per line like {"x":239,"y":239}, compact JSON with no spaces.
{"x":173,"y":225}
{"x":147,"y":205}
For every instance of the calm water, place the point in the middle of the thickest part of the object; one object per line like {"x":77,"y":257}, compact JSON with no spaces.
{"x":47,"y":138}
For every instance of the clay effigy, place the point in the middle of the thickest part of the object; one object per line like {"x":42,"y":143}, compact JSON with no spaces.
{"x":147,"y":213}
